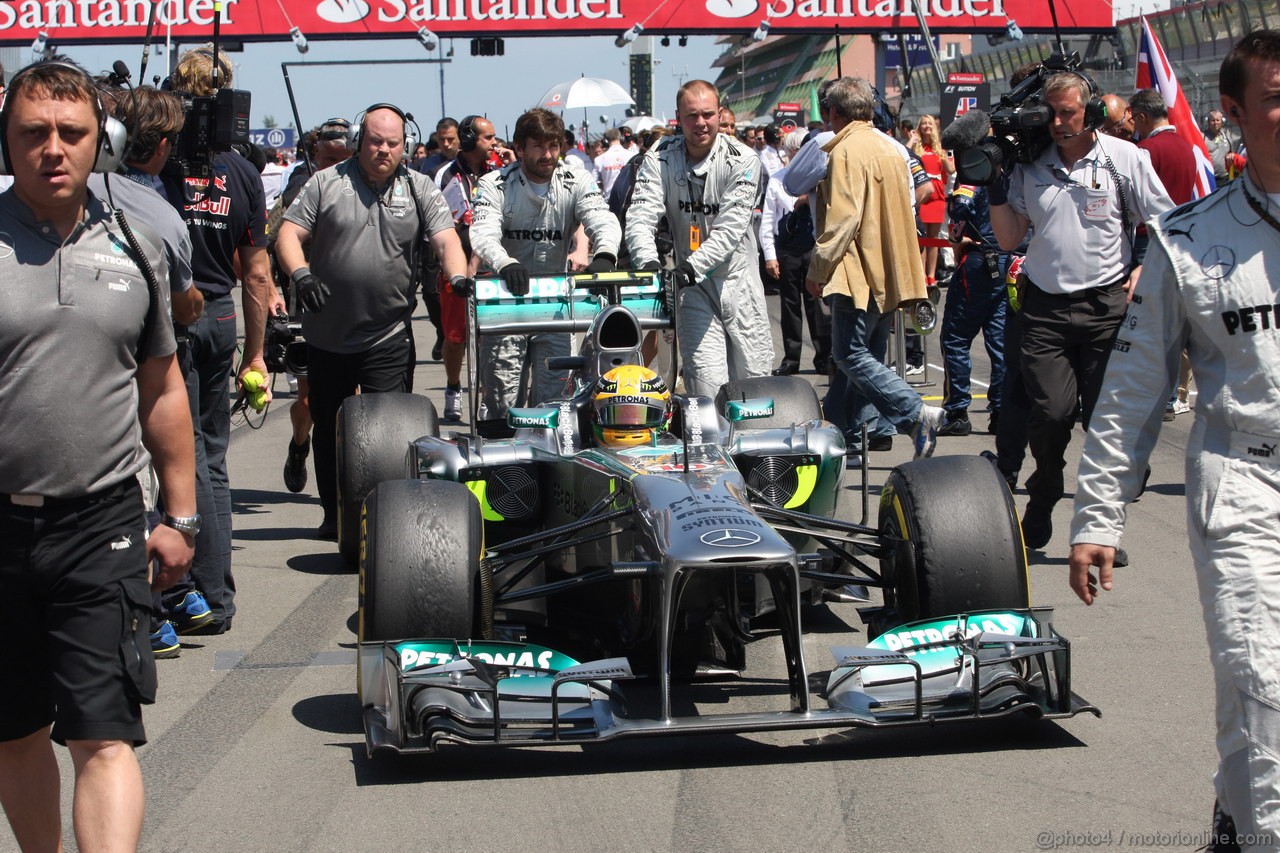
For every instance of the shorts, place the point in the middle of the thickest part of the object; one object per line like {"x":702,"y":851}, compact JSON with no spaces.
{"x":453,"y":315}
{"x":75,"y":617}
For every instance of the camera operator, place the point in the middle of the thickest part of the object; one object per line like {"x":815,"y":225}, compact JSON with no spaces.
{"x":91,"y":387}
{"x":226,"y":218}
{"x":331,"y":145}
{"x":1084,"y":194}
{"x":526,"y":215}
{"x":368,"y":220}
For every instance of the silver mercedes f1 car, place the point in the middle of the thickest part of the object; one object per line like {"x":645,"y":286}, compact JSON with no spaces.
{"x":542,"y":588}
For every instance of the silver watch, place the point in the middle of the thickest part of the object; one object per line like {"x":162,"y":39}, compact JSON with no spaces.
{"x":188,"y":524}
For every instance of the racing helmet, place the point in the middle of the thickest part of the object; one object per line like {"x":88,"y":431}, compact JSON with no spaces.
{"x":630,"y":406}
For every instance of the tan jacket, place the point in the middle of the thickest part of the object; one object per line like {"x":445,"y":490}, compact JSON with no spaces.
{"x":866,"y":227}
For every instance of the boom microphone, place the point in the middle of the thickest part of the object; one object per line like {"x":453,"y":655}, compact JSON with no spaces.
{"x":966,"y":131}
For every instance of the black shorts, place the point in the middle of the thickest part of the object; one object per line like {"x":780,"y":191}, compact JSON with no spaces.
{"x":75,"y":646}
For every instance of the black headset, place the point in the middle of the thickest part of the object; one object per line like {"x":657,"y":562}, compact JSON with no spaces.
{"x":112,"y":136}
{"x":357,"y":126}
{"x":468,"y":136}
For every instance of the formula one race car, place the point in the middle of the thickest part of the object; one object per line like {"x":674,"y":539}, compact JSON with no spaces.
{"x":568,"y":583}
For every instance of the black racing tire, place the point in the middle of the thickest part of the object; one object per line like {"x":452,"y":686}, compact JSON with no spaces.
{"x":374,"y":432}
{"x":959,"y":545}
{"x":794,"y":399}
{"x":421,"y":543}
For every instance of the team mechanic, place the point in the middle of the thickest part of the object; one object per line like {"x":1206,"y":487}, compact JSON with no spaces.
{"x":226,"y":218}
{"x":367,"y":219}
{"x":525,"y":217}
{"x":1085,"y":194}
{"x":1211,"y":284}
{"x":706,"y":183}
{"x":88,"y":378}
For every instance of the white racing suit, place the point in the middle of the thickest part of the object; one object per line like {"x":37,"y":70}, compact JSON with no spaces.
{"x":512,"y":223}
{"x":723,"y":324}
{"x":1211,"y":283}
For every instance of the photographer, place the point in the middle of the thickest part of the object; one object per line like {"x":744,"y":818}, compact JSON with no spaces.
{"x":225,"y":213}
{"x":1084,"y":194}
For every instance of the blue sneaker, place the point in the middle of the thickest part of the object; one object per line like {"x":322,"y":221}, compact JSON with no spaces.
{"x":190,"y":614}
{"x":924,"y":435}
{"x":164,"y":641}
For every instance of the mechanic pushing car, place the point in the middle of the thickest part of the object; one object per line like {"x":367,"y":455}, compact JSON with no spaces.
{"x":1211,"y":285}
{"x":525,"y":215}
{"x":706,"y":184}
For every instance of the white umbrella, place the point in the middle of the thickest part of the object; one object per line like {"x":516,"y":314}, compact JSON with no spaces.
{"x":585,"y":92}
{"x":640,"y":124}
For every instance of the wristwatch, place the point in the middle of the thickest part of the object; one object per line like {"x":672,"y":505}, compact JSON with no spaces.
{"x":188,"y":524}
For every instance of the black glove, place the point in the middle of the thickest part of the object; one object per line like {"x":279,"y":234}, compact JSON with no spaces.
{"x":516,"y":278}
{"x":684,"y":275}
{"x":311,"y":291}
{"x":462,"y":286}
{"x":649,"y":266}
{"x":998,"y":190}
{"x":602,"y":263}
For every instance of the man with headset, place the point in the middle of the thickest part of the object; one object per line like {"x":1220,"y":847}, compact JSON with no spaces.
{"x":90,"y":392}
{"x":1211,"y":285}
{"x":1084,"y":195}
{"x":367,"y":219}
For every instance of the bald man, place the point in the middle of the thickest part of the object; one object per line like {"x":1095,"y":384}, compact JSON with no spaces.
{"x":1119,"y":121}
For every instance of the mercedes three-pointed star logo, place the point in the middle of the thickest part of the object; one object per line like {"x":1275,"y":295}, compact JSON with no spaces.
{"x":730,"y":537}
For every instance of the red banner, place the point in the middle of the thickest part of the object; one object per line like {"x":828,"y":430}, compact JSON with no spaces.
{"x":106,"y":21}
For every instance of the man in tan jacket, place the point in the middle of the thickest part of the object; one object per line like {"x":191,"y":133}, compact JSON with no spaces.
{"x":866,"y":262}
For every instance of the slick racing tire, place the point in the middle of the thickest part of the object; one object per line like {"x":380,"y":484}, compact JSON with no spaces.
{"x":374,"y":432}
{"x":794,"y":399}
{"x":957,"y":543}
{"x":420,"y":549}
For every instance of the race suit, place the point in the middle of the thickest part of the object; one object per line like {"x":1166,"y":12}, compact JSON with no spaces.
{"x":722,"y":321}
{"x":515,"y":222}
{"x":1211,"y":284}
{"x":976,"y":300}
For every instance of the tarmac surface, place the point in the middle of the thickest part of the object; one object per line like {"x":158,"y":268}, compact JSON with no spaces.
{"x":256,"y":740}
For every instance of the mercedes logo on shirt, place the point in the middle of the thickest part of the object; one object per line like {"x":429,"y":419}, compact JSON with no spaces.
{"x":730,"y":537}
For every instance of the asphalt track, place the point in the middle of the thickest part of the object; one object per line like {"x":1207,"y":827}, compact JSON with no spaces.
{"x":256,"y":743}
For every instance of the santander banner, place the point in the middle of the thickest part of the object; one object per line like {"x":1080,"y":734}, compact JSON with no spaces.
{"x":70,"y":21}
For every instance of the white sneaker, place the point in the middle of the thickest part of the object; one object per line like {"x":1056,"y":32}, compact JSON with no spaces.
{"x":914,"y":369}
{"x":1181,"y":407}
{"x":453,"y":403}
{"x":924,"y":435}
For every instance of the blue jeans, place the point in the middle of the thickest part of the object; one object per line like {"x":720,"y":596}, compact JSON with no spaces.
{"x":863,"y":387}
{"x":976,"y":302}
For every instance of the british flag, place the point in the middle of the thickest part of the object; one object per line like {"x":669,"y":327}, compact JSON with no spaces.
{"x":1155,"y":72}
{"x":964,"y":105}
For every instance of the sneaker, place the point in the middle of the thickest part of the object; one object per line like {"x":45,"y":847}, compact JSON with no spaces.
{"x":1169,"y":412}
{"x":956,"y":424}
{"x":915,"y":369}
{"x":1224,"y":838}
{"x":191,"y":613}
{"x":164,"y":641}
{"x":1037,"y":529}
{"x":924,"y":435}
{"x":295,"y":465}
{"x":852,"y":460}
{"x":1181,"y":407}
{"x":453,"y":403}
{"x":293,"y":384}
{"x":879,"y":443}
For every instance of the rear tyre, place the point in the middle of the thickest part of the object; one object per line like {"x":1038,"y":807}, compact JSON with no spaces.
{"x":421,"y":543}
{"x":374,"y":432}
{"x":961,"y":547}
{"x":794,"y":399}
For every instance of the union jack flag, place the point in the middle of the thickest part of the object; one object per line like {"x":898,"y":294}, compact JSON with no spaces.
{"x":1155,"y":72}
{"x":964,"y":105}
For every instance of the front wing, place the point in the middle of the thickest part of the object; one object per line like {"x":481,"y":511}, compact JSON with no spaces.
{"x":418,"y":694}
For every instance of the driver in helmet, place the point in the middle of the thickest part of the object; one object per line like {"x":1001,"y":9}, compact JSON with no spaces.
{"x":631,"y":406}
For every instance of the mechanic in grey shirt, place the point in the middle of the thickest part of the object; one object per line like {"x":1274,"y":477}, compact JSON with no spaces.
{"x":89,"y":392}
{"x":525,"y":218}
{"x":367,"y":219}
